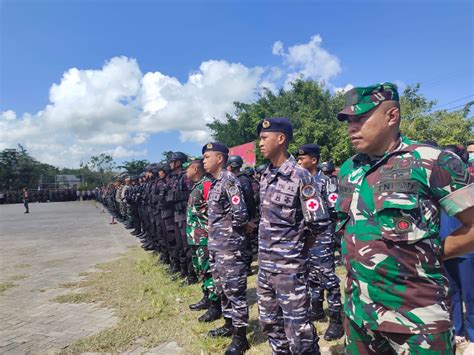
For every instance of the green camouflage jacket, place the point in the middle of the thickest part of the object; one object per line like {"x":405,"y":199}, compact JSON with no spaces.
{"x":196,"y":213}
{"x":390,"y":210}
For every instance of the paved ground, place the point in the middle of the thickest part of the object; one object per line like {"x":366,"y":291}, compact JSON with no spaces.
{"x":38,"y":252}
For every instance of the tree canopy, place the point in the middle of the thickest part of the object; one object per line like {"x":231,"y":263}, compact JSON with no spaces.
{"x":312,"y":109}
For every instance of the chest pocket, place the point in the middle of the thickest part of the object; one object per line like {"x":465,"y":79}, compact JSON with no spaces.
{"x":399,"y":215}
{"x":344,"y":199}
{"x":283,"y":211}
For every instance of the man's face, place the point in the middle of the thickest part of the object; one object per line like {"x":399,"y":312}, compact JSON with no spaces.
{"x":176,"y":164}
{"x":470,"y":148}
{"x":269,"y":144}
{"x":161,"y":174}
{"x":211,"y":162}
{"x":307,"y":161}
{"x":229,"y":168}
{"x":191,"y":172}
{"x":369,"y":131}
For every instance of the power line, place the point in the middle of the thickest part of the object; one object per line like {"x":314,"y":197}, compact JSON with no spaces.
{"x":452,"y":102}
{"x":457,"y":107}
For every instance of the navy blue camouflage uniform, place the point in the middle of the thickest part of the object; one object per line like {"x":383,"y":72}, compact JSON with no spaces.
{"x":322,"y":275}
{"x":228,"y":215}
{"x":292,"y":211}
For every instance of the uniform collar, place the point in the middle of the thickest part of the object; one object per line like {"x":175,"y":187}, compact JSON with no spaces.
{"x":403,"y":143}
{"x":285,"y":169}
{"x":221,"y":174}
{"x":199,"y":181}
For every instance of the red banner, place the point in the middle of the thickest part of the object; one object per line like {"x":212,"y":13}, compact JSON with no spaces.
{"x":246,"y":151}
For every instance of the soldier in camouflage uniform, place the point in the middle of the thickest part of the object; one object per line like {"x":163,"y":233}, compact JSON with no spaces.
{"x":227,"y":218}
{"x":196,"y":231}
{"x":124,"y":203}
{"x":390,"y":197}
{"x":328,"y":169}
{"x":292,"y":212}
{"x":322,"y":273}
{"x":234,"y":163}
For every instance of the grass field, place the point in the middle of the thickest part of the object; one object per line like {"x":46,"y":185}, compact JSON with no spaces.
{"x":153,"y":310}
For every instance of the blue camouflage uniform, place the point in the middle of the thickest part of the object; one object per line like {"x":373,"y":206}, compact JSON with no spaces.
{"x":322,"y":275}
{"x":291,"y":212}
{"x":228,"y":215}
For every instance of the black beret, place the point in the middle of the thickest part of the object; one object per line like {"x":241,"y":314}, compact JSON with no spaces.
{"x":215,"y":147}
{"x":276,"y":124}
{"x":310,"y":149}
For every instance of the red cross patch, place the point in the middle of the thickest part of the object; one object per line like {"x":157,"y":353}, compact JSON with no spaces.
{"x":403,"y":225}
{"x":333,"y":197}
{"x":235,"y":200}
{"x":312,"y":205}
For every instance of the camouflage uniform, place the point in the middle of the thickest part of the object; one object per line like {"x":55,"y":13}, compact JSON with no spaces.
{"x":290,"y":208}
{"x":322,"y":275}
{"x":196,"y":231}
{"x":123,"y":202}
{"x":396,"y":287}
{"x":227,"y":217}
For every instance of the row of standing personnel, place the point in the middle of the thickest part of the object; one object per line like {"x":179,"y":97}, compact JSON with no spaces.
{"x":157,"y":202}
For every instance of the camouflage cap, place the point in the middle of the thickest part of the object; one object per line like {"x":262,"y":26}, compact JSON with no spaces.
{"x":363,"y":99}
{"x":193,"y":160}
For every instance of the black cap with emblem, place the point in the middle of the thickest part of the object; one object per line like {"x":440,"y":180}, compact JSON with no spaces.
{"x":215,"y":147}
{"x":310,"y":149}
{"x":276,"y":124}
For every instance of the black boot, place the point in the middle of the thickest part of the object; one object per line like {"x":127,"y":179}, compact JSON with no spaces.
{"x":225,"y":331}
{"x":204,"y":303}
{"x":213,"y":313}
{"x":239,"y":343}
{"x":192,"y":278}
{"x":317,"y":312}
{"x":184,"y":271}
{"x":174,"y":268}
{"x":336,"y":329}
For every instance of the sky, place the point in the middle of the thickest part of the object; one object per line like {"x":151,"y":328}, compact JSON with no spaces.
{"x":134,"y":78}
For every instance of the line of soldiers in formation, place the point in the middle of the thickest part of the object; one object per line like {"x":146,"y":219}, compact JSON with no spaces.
{"x":42,"y":195}
{"x":167,"y":206}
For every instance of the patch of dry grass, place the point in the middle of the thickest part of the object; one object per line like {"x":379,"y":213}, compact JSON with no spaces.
{"x":6,"y":285}
{"x":154,"y":310}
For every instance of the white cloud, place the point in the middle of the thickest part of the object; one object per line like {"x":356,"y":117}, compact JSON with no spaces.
{"x":343,"y":89}
{"x":8,"y":115}
{"x":278,"y":48}
{"x":115,"y":109}
{"x":309,"y":60}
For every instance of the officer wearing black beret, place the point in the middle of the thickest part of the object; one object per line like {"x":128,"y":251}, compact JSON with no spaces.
{"x":276,"y":124}
{"x":322,"y":274}
{"x":215,"y":147}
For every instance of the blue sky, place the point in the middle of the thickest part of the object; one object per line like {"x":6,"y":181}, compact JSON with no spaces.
{"x":430,"y":42}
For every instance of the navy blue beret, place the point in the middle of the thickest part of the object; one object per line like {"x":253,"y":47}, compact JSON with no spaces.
{"x":215,"y":147}
{"x":276,"y":124}
{"x":310,"y":149}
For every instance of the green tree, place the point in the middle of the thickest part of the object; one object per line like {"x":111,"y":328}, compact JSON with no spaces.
{"x":134,"y":167}
{"x":18,"y":169}
{"x":312,"y":109}
{"x":104,"y":165}
{"x":420,"y":122}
